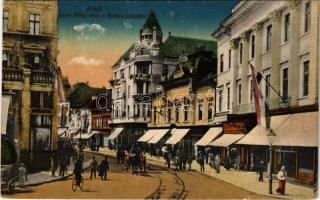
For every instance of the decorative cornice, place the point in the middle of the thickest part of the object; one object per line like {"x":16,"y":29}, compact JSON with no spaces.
{"x":257,"y":27}
{"x":245,"y":35}
{"x":234,"y":43}
{"x":293,"y":4}
{"x":275,"y":15}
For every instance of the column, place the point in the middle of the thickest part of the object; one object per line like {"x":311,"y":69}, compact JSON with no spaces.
{"x":314,"y":52}
{"x":257,"y":28}
{"x":54,"y":131}
{"x":275,"y":56}
{"x":294,"y":59}
{"x":234,"y":44}
{"x":245,"y":67}
{"x":25,"y":112}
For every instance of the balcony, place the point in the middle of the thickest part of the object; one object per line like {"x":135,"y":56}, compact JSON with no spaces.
{"x":42,"y":77}
{"x":12,"y":75}
{"x":140,"y":77}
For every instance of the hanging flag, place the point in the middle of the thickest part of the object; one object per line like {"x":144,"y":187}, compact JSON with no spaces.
{"x":59,"y":86}
{"x":262,"y":110}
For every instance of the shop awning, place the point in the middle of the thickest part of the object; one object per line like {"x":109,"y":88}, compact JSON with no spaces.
{"x":210,"y":135}
{"x":147,"y":136}
{"x":176,"y":135}
{"x":115,"y":133}
{"x":73,"y":131}
{"x":299,"y":129}
{"x":160,"y":133}
{"x":257,"y":136}
{"x":100,"y":132}
{"x":5,"y":102}
{"x":62,"y":131}
{"x":83,"y":136}
{"x":226,"y":139}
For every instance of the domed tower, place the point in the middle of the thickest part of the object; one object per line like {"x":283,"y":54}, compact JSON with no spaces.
{"x":151,"y":33}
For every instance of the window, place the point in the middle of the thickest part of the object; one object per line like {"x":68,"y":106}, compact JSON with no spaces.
{"x":128,"y":110}
{"x":210,"y":109}
{"x":228,"y":98}
{"x":169,"y":115}
{"x":147,"y":87}
{"x":241,"y":48}
{"x":221,"y":63}
{"x":177,"y":113}
{"x":139,"y":87}
{"x":129,"y":92}
{"x":5,"y":20}
{"x":239,"y":94}
{"x":34,"y":24}
{"x":307,"y":17}
{"x":285,"y":83}
{"x":220,"y":100}
{"x":138,"y":110}
{"x":286,"y":27}
{"x":155,"y":115}
{"x":118,"y":93}
{"x":4,"y":59}
{"x":267,"y":89}
{"x":129,"y":71}
{"x":200,"y":111}
{"x":229,"y":58}
{"x":47,"y":100}
{"x":186,"y":112}
{"x":305,"y":78}
{"x":33,"y":60}
{"x":268,"y":38}
{"x":35,"y":99}
{"x":251,"y":91}
{"x":252,"y":45}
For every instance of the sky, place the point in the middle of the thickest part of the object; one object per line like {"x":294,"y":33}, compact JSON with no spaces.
{"x":94,"y":34}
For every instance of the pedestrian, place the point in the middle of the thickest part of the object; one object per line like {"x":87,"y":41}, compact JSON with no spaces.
{"x":118,"y":155}
{"x":282,"y":174}
{"x":238,"y":160}
{"x":53,"y":165}
{"x":201,"y":162}
{"x":93,"y":167}
{"x":260,"y":170}
{"x":189,"y":162}
{"x":23,"y":176}
{"x":176,"y":163}
{"x":144,"y":162}
{"x":77,"y":170}
{"x":158,"y":152}
{"x":103,"y":168}
{"x":216,"y":163}
{"x":227,"y":162}
{"x":62,"y":165}
{"x":168,"y":160}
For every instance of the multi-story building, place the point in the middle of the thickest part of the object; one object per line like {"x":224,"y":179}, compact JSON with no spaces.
{"x":100,"y":113}
{"x":281,"y":40}
{"x":28,"y":74}
{"x":186,"y":102}
{"x":135,"y":76}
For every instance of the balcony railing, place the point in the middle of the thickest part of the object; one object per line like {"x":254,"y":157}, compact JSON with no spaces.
{"x":12,"y":75}
{"x":42,"y":77}
{"x":140,"y":76}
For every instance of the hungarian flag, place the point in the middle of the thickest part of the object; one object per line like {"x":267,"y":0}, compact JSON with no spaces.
{"x":262,"y":110}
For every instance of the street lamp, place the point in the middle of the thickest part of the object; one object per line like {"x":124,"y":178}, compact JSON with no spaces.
{"x":270,"y":136}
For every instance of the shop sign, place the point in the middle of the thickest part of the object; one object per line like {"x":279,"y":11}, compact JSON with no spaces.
{"x":231,"y":127}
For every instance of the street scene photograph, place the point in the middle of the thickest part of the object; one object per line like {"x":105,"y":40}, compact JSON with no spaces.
{"x":160,"y":99}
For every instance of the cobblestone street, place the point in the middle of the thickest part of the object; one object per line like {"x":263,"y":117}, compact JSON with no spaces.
{"x":122,"y":184}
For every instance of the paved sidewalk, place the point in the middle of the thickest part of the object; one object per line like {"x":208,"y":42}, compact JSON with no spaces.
{"x":45,"y":176}
{"x":244,"y":179}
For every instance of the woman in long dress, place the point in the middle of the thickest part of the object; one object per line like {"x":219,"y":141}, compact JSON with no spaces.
{"x":282,"y":174}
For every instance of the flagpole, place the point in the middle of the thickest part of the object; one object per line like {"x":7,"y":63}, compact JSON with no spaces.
{"x":270,"y":133}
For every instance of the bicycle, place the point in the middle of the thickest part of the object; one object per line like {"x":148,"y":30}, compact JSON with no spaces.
{"x":75,"y":185}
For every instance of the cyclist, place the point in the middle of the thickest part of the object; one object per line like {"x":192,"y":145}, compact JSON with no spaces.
{"x":78,"y":170}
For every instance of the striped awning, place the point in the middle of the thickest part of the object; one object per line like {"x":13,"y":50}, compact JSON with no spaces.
{"x":157,"y":137}
{"x":226,"y":140}
{"x":115,"y":133}
{"x":147,"y":136}
{"x":176,"y":135}
{"x":210,"y":135}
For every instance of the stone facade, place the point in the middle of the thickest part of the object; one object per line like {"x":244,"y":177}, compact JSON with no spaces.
{"x":28,"y":76}
{"x":278,"y":38}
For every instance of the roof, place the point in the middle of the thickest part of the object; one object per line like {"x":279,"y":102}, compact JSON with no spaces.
{"x":152,"y":21}
{"x":176,"y":45}
{"x":82,"y":93}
